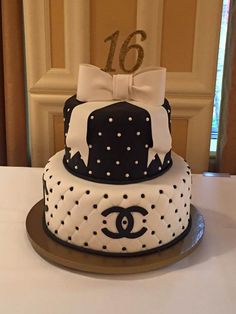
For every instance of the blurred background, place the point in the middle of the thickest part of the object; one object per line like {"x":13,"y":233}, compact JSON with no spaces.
{"x":44,"y":41}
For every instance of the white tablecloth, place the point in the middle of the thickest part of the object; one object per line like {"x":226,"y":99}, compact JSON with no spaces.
{"x":204,"y":282}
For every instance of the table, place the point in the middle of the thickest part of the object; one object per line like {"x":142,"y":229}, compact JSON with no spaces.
{"x":204,"y":282}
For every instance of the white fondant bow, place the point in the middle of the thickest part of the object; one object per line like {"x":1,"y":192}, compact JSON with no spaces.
{"x":145,"y":89}
{"x":146,"y":86}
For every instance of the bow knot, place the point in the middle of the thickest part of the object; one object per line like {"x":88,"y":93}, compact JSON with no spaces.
{"x":122,"y":84}
{"x":146,"y":86}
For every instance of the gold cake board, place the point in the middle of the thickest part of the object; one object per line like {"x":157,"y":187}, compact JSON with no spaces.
{"x":64,"y":256}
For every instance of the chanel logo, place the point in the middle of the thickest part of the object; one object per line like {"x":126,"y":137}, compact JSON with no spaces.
{"x":124,"y":222}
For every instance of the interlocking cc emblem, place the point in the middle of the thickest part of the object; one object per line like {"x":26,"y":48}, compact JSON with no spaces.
{"x":124,"y":222}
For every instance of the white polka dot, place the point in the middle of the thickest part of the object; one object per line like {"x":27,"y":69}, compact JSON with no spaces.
{"x":136,"y":162}
{"x":68,"y":109}
{"x":76,"y":167}
{"x":91,"y":117}
{"x":168,"y":110}
{"x":128,"y":148}
{"x":159,"y":168}
{"x":130,"y":118}
{"x":98,"y":161}
{"x":145,"y":173}
{"x":119,"y":134}
{"x":99,"y":133}
{"x":127,"y":175}
{"x":90,"y":172}
{"x":110,"y":119}
{"x":90,"y":146}
{"x":147,"y":119}
{"x":168,"y":161}
{"x":64,"y":119}
{"x":67,"y":160}
{"x":108,"y":148}
{"x":146,"y":145}
{"x":108,"y":173}
{"x":65,"y":134}
{"x":138,"y":133}
{"x":117,"y":162}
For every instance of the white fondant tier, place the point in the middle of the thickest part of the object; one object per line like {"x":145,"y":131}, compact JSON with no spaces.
{"x":123,"y":219}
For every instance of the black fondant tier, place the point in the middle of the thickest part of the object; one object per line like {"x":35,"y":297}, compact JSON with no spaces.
{"x":118,"y":137}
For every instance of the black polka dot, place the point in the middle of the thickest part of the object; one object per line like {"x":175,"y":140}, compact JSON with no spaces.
{"x":104,"y":222}
{"x":69,"y":238}
{"x":87,"y":192}
{"x":47,"y":199}
{"x":143,"y":246}
{"x":50,"y":177}
{"x":50,"y":190}
{"x":104,"y":247}
{"x":143,"y":195}
{"x":85,"y":217}
{"x":62,"y":222}
{"x":47,"y":170}
{"x":55,"y":231}
{"x":59,"y":182}
{"x":95,"y":232}
{"x":76,"y":228}
{"x":180,"y":219}
{"x":161,"y":191}
{"x":51,"y":215}
{"x":176,"y":211}
{"x":125,"y":196}
{"x":188,"y":188}
{"x":160,"y":242}
{"x":188,"y":173}
{"x":187,"y":213}
{"x":56,"y":206}
{"x":95,"y":206}
{"x":71,"y":188}
{"x":62,"y":197}
{"x":105,"y":196}
{"x":175,"y":186}
{"x":144,"y":220}
{"x":185,"y":205}
{"x":162,"y":217}
{"x":153,"y":232}
{"x":85,"y":243}
{"x":190,"y":197}
{"x":77,"y":202}
{"x":123,"y":248}
{"x":173,"y":234}
{"x":48,"y":223}
{"x":184,"y":180}
{"x":153,"y":206}
{"x":170,"y":200}
{"x":69,"y":213}
{"x":183,"y":227}
{"x":181,"y":195}
{"x":168,"y":226}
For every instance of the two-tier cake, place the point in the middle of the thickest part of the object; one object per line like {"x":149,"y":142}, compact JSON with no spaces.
{"x":117,"y":189}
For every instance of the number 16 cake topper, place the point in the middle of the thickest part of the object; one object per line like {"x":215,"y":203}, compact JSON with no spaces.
{"x":125,"y":48}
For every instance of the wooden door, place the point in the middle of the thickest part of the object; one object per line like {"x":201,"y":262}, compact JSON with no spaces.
{"x":182,"y":35}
